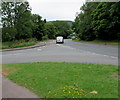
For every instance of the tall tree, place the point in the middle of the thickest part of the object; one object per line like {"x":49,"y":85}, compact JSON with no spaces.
{"x":98,"y":21}
{"x":82,"y":24}
{"x":16,"y":20}
{"x":23,"y":22}
{"x":50,"y":30}
{"x":106,"y":20}
{"x":63,"y":28}
{"x":7,"y":15}
{"x":38,"y":27}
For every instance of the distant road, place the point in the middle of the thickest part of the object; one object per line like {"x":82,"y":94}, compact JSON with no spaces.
{"x":96,"y":48}
{"x":70,"y":51}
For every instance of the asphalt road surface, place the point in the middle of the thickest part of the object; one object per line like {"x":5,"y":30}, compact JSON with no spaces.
{"x":70,"y":51}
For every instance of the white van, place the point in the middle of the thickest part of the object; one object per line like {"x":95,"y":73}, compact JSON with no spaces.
{"x":59,"y":39}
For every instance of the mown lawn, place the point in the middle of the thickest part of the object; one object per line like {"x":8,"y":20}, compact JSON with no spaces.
{"x":65,"y":80}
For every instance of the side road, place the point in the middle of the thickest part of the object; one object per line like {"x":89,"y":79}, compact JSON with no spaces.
{"x":21,"y":48}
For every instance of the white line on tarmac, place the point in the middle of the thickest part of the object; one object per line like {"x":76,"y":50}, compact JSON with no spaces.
{"x":13,"y":54}
{"x":58,"y":44}
{"x":90,"y":52}
{"x":104,"y":55}
{"x":39,"y":49}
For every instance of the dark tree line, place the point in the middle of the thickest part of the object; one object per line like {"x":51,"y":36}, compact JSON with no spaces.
{"x":63,"y":28}
{"x":19,"y":23}
{"x":15,"y":21}
{"x":98,"y":20}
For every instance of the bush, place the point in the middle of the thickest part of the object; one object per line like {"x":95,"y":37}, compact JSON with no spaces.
{"x":45,"y":37}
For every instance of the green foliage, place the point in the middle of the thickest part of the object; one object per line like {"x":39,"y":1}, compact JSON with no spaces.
{"x":82,"y":24}
{"x":73,"y":34}
{"x":63,"y":28}
{"x":38,"y":26}
{"x":8,"y":34}
{"x":24,"y":26}
{"x":45,"y":37}
{"x":98,"y":21}
{"x":16,"y":21}
{"x":50,"y":30}
{"x":106,"y":20}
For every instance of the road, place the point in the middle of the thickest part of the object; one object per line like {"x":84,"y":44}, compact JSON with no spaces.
{"x":70,"y":51}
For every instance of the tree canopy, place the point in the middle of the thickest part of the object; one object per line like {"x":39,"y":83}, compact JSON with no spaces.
{"x":63,"y":28}
{"x":19,"y":23}
{"x":16,"y":21}
{"x":98,"y":20}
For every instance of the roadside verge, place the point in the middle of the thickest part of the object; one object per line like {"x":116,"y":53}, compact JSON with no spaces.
{"x":21,"y":48}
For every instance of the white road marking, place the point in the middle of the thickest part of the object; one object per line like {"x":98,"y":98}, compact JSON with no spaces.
{"x":65,"y":46}
{"x":88,"y":52}
{"x":104,"y":55}
{"x":39,"y":49}
{"x":13,"y":54}
{"x":58,"y":44}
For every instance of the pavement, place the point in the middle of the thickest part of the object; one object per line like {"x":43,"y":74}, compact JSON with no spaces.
{"x":12,"y":90}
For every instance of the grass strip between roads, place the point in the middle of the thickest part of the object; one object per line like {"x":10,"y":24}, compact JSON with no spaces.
{"x":65,"y":80}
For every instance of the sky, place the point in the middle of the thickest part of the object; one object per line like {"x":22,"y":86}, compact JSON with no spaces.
{"x":56,"y":9}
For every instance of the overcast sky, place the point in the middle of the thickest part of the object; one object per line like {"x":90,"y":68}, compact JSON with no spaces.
{"x":56,"y":9}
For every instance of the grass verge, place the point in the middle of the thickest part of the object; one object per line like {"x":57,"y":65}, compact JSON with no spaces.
{"x":17,"y":44}
{"x":65,"y":80}
{"x":114,"y":42}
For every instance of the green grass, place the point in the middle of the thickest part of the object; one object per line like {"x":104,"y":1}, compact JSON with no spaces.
{"x":112,"y":42}
{"x":65,"y":80}
{"x":17,"y":44}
